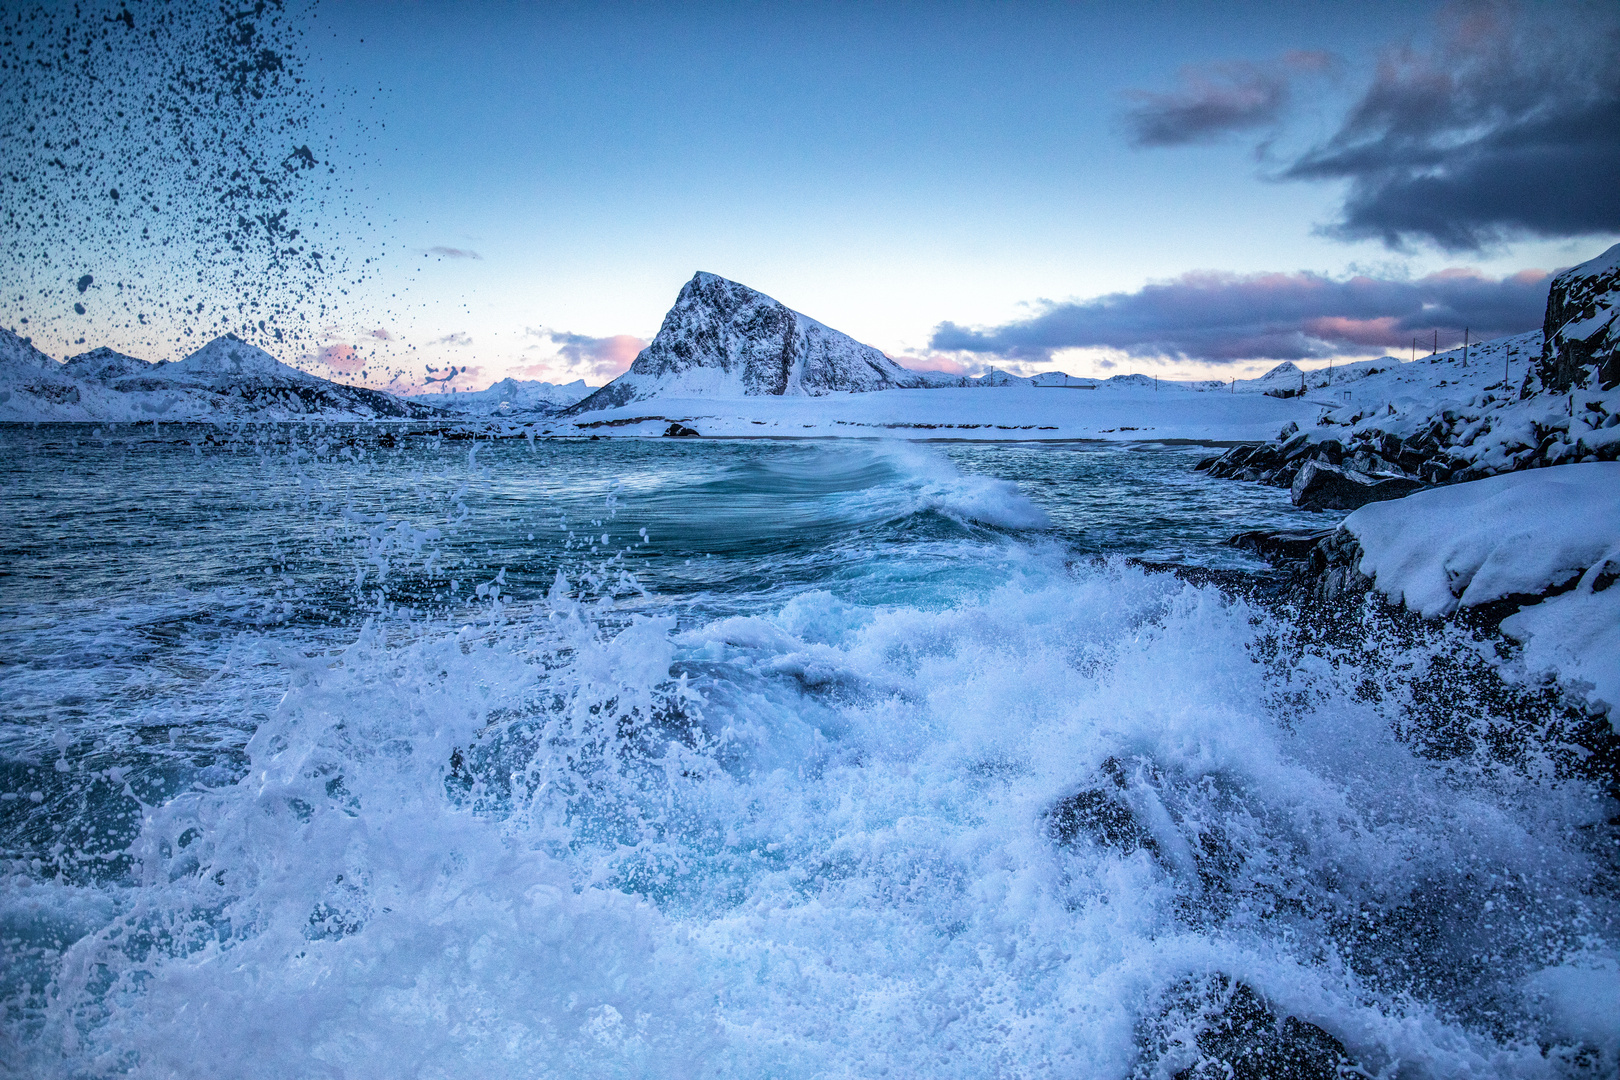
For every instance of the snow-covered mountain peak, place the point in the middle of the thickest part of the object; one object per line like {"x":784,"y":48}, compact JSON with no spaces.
{"x":723,"y":339}
{"x":510,"y":397}
{"x":228,"y":356}
{"x":17,"y":353}
{"x":106,"y":365}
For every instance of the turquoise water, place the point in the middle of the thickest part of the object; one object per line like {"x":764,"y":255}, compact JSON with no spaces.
{"x":669,"y":758}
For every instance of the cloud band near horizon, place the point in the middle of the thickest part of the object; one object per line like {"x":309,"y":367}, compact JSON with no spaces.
{"x":1222,"y":318}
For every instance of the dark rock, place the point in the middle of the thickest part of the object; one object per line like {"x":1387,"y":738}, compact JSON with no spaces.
{"x":1205,"y":463}
{"x":1434,"y":472}
{"x":1296,"y":446}
{"x":1103,"y":816}
{"x":679,"y":431}
{"x":1280,"y":545}
{"x":1325,"y":487}
{"x":1580,"y":338}
{"x":1235,"y":1035}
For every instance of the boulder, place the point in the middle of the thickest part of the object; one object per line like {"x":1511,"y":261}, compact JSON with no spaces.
{"x":1319,"y":486}
{"x":1237,"y":1036}
{"x":679,"y":431}
{"x":1289,"y":546}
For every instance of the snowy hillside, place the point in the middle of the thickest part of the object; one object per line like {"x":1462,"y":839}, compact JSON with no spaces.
{"x":722,"y":339}
{"x":517,"y":398}
{"x":227,"y":379}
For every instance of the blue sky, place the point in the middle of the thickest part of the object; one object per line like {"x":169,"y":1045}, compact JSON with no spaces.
{"x":956,"y":184}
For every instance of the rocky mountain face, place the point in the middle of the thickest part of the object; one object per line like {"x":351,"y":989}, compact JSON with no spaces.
{"x":1581,"y":340}
{"x":723,"y":339}
{"x":227,"y":379}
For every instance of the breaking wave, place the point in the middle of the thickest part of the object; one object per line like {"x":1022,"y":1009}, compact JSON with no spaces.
{"x":983,"y":825}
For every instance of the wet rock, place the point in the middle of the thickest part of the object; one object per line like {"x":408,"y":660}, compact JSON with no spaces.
{"x":1319,"y":486}
{"x":1221,"y":1027}
{"x":679,"y":431}
{"x":1280,"y":545}
{"x":1102,"y":815}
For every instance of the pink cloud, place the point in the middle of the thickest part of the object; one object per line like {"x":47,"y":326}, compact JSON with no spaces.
{"x":341,"y":358}
{"x":932,"y":362}
{"x":1379,"y":333}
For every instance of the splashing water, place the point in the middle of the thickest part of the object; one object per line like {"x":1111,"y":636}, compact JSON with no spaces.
{"x":762,"y":760}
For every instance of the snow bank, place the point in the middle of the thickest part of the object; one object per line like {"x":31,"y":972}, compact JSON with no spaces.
{"x":1519,"y":534}
{"x":1468,"y":544}
{"x":1119,"y":413}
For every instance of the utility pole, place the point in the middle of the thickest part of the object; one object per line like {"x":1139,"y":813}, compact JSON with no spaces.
{"x":1436,"y":350}
{"x":1507,"y":361}
{"x":1465,"y":346}
{"x":1414,"y":350}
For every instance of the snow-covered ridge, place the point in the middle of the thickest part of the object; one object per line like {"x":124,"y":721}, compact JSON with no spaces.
{"x":227,"y":379}
{"x":723,"y":339}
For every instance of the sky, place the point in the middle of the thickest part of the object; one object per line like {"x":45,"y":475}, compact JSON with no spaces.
{"x":1179,"y":189}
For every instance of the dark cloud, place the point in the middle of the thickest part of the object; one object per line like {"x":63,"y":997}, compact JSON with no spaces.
{"x":1219,"y":318}
{"x":1215,"y":100}
{"x":454,"y":253}
{"x":1508,"y":127}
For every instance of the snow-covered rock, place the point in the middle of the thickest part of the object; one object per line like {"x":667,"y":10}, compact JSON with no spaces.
{"x":1470,"y":544}
{"x":722,"y":339}
{"x":1546,"y":539}
{"x":1581,"y":338}
{"x":510,"y":397}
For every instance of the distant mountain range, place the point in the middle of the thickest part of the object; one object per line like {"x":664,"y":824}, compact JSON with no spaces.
{"x":227,"y":379}
{"x":512,"y":398}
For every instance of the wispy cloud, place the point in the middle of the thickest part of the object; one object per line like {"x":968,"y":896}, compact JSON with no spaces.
{"x":457,"y":338}
{"x":1217,"y":100}
{"x":597,"y":357}
{"x":453,"y":253}
{"x":1220,"y":318}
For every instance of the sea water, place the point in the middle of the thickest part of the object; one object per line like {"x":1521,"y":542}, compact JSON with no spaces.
{"x":321,"y":756}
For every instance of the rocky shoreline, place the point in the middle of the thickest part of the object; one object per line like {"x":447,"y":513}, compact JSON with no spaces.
{"x":1564,"y":408}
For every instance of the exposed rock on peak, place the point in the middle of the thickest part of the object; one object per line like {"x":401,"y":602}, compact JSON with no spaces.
{"x":1581,"y":341}
{"x":108,"y":365}
{"x":723,"y":339}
